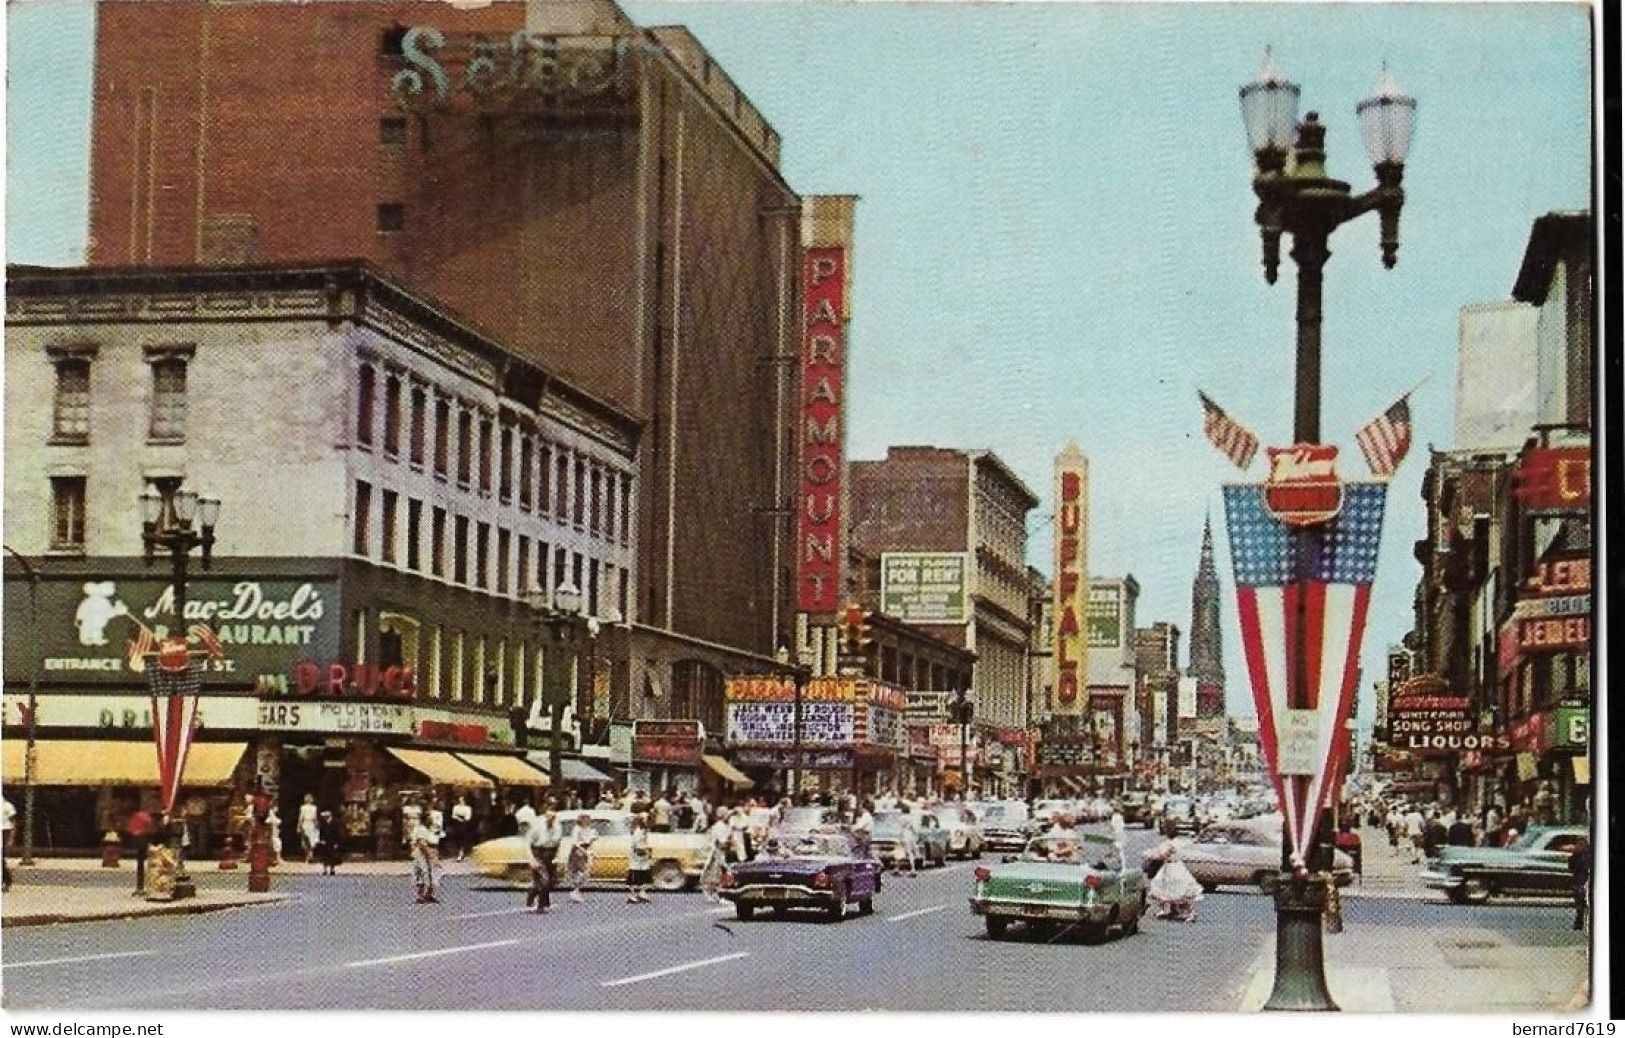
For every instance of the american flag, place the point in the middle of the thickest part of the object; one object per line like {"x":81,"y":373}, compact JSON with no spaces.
{"x":1227,"y":434}
{"x":174,"y":719}
{"x":139,"y":647}
{"x":1387,"y":439}
{"x":204,"y":634}
{"x":1317,"y":581}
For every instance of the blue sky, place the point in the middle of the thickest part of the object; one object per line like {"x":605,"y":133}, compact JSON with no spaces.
{"x":1055,"y":236}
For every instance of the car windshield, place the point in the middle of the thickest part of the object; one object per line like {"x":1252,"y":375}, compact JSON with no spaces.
{"x":1005,"y":813}
{"x":824,"y":845}
{"x":1068,"y":851}
{"x":807,"y":817}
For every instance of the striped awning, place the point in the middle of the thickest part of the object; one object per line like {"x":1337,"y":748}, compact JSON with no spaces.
{"x":88,"y":762}
{"x":441,"y":768}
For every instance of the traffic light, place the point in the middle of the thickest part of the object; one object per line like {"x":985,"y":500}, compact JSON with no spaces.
{"x":961,"y":712}
{"x":856,"y":635}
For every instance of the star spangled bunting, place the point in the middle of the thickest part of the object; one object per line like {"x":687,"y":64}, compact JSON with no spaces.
{"x":1311,"y":589}
{"x":174,"y":717}
{"x":1227,"y":434}
{"x":1387,"y":438}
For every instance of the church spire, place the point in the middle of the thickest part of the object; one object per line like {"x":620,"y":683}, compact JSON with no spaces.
{"x":1206,"y":642}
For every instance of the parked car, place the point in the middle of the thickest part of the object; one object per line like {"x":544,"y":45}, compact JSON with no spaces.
{"x":964,"y":838}
{"x":1006,"y":825}
{"x":678,"y":857}
{"x":1177,"y":817}
{"x":1136,"y":809}
{"x":933,"y":838}
{"x":1044,"y":811}
{"x":1055,"y":882}
{"x":1538,"y":863}
{"x":820,"y":871}
{"x":1247,"y":855}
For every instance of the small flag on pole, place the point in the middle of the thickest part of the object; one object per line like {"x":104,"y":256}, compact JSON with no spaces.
{"x":142,"y":645}
{"x":1227,"y":434}
{"x":1387,"y":439}
{"x":204,"y":635}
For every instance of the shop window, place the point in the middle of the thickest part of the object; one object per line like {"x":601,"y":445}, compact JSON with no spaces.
{"x":363,"y":508}
{"x":67,"y":513}
{"x":70,"y":417}
{"x":414,"y":535}
{"x":387,"y":543}
{"x":442,"y":435}
{"x":392,"y":415}
{"x":459,"y":558}
{"x":419,"y":419}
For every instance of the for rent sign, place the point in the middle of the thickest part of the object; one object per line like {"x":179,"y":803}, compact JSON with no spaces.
{"x":924,"y":587}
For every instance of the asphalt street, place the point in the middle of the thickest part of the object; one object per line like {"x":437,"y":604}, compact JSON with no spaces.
{"x":357,"y":942}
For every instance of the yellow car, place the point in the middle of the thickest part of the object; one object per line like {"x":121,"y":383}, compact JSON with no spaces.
{"x":678,"y":857}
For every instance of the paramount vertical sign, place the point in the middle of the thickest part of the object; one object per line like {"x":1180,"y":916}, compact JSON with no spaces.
{"x":1071,"y":578}
{"x":819,"y":544}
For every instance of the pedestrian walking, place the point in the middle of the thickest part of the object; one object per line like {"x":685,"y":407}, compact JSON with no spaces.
{"x":1461,"y":833}
{"x":716,"y":862}
{"x":139,"y":828}
{"x":462,"y":824}
{"x":1580,"y":879}
{"x":1434,"y":837}
{"x":425,"y":861}
{"x":863,"y":828}
{"x":660,"y":815}
{"x":329,"y":843}
{"x":908,"y":841}
{"x":683,"y":814}
{"x":309,"y":827}
{"x":522,"y":817}
{"x":543,"y":838}
{"x":8,"y":822}
{"x":578,"y":869}
{"x":739,"y":835}
{"x":1413,"y":833}
{"x":639,"y":862}
{"x":704,"y":816}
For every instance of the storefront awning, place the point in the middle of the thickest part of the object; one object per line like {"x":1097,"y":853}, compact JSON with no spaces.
{"x":727,"y":771}
{"x":441,"y":768}
{"x":573,"y":770}
{"x":84,"y":762}
{"x":506,"y":769}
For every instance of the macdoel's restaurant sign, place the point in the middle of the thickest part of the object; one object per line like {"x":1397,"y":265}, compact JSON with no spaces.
{"x":85,"y":627}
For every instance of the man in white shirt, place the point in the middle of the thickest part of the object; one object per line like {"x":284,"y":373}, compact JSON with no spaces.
{"x":543,"y":837}
{"x":1413,"y":833}
{"x":862,"y":827}
{"x":524,"y":816}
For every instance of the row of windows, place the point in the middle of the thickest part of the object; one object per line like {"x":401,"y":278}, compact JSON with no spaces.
{"x":166,"y":419}
{"x":459,"y":665}
{"x":492,"y":455}
{"x":477,"y":554}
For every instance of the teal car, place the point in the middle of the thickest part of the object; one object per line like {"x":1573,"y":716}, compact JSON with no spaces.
{"x":1083,"y":885}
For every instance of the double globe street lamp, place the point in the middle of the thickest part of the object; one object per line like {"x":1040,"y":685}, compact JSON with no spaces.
{"x":1296,"y":197}
{"x":177,"y":520}
{"x":560,"y":613}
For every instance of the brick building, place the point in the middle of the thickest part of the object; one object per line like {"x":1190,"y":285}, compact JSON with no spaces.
{"x":600,"y":196}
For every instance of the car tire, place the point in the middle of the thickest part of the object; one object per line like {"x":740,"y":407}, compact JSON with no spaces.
{"x":743,"y":912}
{"x":1209,"y":888}
{"x":1266,"y":881}
{"x":866,"y":906}
{"x":668,"y":876}
{"x":996,"y":926}
{"x":1456,"y":895}
{"x":1475,"y":891}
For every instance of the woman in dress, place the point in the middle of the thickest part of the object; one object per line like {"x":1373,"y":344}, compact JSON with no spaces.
{"x":716,"y":863}
{"x":639,"y":862}
{"x":309,"y":827}
{"x":1173,"y":890}
{"x":578,"y":868}
{"x":908,"y":840}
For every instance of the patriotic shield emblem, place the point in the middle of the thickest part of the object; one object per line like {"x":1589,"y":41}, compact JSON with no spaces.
{"x":1303,"y":488}
{"x":1302,"y":596}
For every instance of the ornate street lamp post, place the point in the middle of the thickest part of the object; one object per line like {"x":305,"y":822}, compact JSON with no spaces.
{"x":31,"y":748}
{"x":1307,"y":204}
{"x":561,"y":616}
{"x":176,"y":520}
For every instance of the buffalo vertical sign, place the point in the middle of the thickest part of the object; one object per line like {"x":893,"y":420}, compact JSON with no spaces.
{"x":1309,"y":587}
{"x":823,"y":364}
{"x":1071,"y":579}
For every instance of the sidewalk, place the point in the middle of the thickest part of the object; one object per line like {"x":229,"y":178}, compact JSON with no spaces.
{"x":1443,"y":970}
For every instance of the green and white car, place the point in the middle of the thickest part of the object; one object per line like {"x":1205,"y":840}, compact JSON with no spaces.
{"x":1081,"y":884}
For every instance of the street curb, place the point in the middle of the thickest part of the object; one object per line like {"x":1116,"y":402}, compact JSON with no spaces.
{"x":176,"y":908}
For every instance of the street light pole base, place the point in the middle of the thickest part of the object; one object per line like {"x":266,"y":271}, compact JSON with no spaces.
{"x":1300,"y":964}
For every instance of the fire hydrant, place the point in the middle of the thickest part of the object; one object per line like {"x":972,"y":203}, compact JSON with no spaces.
{"x":259,"y":848}
{"x":110,"y":849}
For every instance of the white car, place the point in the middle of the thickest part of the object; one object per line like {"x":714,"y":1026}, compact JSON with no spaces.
{"x":964,"y":839}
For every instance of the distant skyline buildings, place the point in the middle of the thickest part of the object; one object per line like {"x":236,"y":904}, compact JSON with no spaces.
{"x":1207,"y":635}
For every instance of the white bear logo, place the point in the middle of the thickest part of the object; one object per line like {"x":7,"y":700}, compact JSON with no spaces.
{"x":95,"y":611}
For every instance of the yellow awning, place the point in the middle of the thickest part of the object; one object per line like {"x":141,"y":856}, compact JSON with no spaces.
{"x":84,"y":762}
{"x":510,"y":771}
{"x":728,"y":772}
{"x":441,"y":768}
